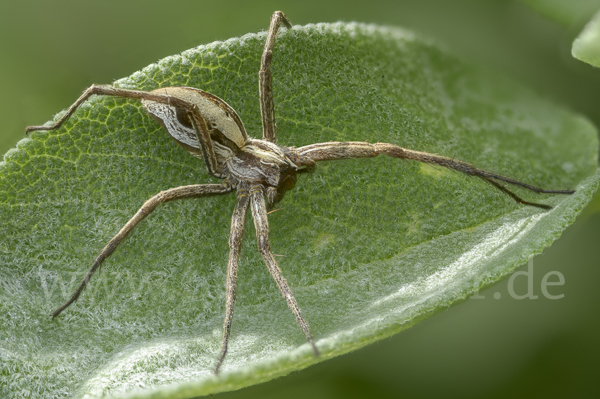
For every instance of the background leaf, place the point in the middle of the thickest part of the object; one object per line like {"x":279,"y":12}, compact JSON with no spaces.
{"x":360,"y":269}
{"x":587,"y":45}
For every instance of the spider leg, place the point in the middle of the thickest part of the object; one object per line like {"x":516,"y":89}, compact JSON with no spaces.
{"x":235,"y":243}
{"x":206,"y":144}
{"x":265,"y":80}
{"x":515,"y":196}
{"x":191,"y":191}
{"x":356,"y":149}
{"x":261,"y":223}
{"x":105,"y":90}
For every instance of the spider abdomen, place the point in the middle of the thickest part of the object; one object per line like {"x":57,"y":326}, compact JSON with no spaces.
{"x":225,"y":127}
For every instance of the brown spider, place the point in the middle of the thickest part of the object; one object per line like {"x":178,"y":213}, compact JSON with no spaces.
{"x":210,"y":129}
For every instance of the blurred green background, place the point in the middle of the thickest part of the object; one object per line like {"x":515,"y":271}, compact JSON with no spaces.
{"x":486,"y":347}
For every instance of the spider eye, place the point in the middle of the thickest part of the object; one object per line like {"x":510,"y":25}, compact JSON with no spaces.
{"x":183,"y":118}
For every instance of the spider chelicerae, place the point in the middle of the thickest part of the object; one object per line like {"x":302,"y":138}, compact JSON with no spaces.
{"x":259,"y":170}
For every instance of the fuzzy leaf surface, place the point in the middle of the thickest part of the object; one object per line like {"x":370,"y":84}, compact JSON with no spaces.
{"x":370,"y":246}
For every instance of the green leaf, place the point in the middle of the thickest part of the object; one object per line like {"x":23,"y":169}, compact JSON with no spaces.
{"x":587,"y":45}
{"x":371,"y":246}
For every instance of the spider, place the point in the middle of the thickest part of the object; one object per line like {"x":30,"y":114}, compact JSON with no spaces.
{"x":259,"y":170}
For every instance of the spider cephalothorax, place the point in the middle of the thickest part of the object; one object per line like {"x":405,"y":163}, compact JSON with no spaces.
{"x":210,"y":129}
